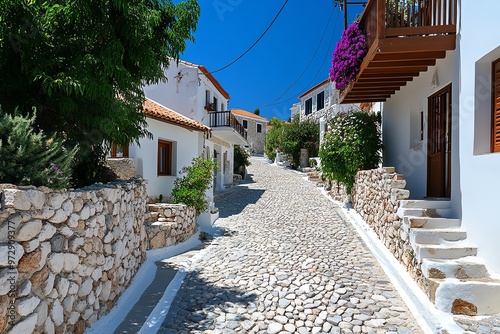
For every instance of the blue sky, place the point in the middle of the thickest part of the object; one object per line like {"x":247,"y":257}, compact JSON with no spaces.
{"x":292,"y":57}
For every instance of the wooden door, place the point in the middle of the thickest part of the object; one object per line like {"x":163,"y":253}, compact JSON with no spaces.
{"x":439,"y":144}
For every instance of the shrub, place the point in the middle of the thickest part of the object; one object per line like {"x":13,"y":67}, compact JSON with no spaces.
{"x":30,"y":157}
{"x":190,"y":189}
{"x":241,"y":158}
{"x":353,"y":143}
{"x":273,"y":137}
{"x":300,"y":135}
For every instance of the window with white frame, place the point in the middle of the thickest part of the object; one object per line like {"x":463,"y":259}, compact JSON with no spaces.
{"x":259,"y":128}
{"x":245,"y":124}
{"x":320,"y":100}
{"x":309,"y":106}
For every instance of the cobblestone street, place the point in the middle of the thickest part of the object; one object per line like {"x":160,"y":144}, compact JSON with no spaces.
{"x":288,"y":261}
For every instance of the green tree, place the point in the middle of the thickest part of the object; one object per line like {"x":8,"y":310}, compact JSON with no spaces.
{"x":190,"y":189}
{"x":83,"y":65}
{"x":353,"y":143}
{"x":298,"y":135}
{"x":273,"y":137}
{"x":241,"y":159}
{"x":256,"y":111}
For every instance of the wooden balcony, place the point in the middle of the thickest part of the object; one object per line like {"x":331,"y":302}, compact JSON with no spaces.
{"x":404,"y":38}
{"x":225,"y":126}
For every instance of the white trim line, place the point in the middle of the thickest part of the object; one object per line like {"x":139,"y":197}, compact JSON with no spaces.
{"x":430,"y":319}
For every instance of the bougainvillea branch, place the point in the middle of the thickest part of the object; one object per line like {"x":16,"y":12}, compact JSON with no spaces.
{"x":348,"y":56}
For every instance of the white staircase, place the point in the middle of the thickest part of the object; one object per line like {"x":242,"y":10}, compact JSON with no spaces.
{"x":459,"y":282}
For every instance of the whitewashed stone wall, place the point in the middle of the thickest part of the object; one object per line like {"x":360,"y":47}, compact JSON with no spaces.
{"x":169,"y":224}
{"x":66,"y":256}
{"x":375,"y":196}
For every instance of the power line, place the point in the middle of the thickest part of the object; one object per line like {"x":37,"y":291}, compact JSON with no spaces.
{"x":309,"y":64}
{"x":255,"y":43}
{"x":319,"y":70}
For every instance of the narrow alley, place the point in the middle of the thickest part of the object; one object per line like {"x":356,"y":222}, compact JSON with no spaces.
{"x":288,"y":261}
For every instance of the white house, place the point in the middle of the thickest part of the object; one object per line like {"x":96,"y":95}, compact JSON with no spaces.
{"x":320,"y":103}
{"x":193,"y":91}
{"x":255,"y":127}
{"x":437,"y":70}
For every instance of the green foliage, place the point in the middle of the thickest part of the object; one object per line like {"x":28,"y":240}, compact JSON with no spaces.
{"x":83,"y":65}
{"x":300,"y":135}
{"x":30,"y":157}
{"x":353,"y":143}
{"x":241,"y":158}
{"x":273,"y":137}
{"x":190,"y":189}
{"x":256,"y":111}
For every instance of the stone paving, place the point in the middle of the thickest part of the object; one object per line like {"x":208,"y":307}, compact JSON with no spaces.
{"x":288,"y":261}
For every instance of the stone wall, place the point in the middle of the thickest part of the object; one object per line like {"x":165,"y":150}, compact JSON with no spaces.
{"x":124,"y":168}
{"x":67,"y":256}
{"x":375,"y":196}
{"x":169,"y":224}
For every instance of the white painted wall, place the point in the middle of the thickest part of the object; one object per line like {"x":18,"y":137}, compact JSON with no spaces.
{"x":184,"y":92}
{"x":479,"y":169}
{"x":403,"y":148}
{"x":188,"y":144}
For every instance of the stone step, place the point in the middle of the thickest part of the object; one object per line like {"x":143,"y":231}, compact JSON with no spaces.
{"x":431,"y":222}
{"x":466,"y":297}
{"x":449,"y":251}
{"x":421,"y":212}
{"x":436,"y":235}
{"x":425,"y":204}
{"x":463,"y":268}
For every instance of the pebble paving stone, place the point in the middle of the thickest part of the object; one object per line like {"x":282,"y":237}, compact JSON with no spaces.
{"x":288,"y":261}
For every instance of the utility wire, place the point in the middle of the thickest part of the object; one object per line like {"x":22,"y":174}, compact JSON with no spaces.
{"x":310,"y":62}
{"x":255,"y":43}
{"x":328,"y":52}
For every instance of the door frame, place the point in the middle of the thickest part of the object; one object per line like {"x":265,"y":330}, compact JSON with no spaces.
{"x":439,"y":144}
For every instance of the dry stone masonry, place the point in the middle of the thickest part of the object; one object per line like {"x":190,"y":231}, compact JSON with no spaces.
{"x":169,"y":224}
{"x":67,"y":256}
{"x":375,"y":196}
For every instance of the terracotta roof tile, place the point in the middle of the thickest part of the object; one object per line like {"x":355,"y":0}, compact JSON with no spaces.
{"x":248,"y":114}
{"x":315,"y":87}
{"x":164,"y":114}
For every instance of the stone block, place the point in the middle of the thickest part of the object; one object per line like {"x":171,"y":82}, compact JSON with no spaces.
{"x":28,"y":230}
{"x":26,"y":305}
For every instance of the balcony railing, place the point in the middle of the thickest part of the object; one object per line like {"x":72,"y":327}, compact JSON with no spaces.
{"x":404,"y":38}
{"x":226,"y":119}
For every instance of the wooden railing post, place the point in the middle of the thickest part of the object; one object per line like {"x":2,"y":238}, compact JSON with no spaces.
{"x":381,"y":19}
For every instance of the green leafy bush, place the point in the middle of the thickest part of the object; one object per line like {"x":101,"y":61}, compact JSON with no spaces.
{"x":241,"y":159}
{"x":190,"y":189}
{"x":273,"y":137}
{"x":300,"y":135}
{"x":353,"y":143}
{"x":30,"y":157}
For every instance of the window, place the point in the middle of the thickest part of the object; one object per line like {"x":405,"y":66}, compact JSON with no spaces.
{"x":259,"y":128}
{"x":222,"y":107}
{"x":309,"y":106}
{"x":207,"y":97}
{"x":164,"y":157}
{"x":245,"y":124}
{"x":320,"y":100}
{"x":119,"y":151}
{"x":495,"y":115}
{"x":215,"y":104}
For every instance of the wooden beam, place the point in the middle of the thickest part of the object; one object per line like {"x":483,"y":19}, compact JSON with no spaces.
{"x":408,"y":44}
{"x":395,"y":70}
{"x":402,"y":63}
{"x":409,"y":56}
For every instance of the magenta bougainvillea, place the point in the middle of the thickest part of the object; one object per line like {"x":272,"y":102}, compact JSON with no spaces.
{"x":348,"y":56}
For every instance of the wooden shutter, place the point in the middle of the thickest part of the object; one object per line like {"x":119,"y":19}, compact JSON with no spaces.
{"x":495,"y":121}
